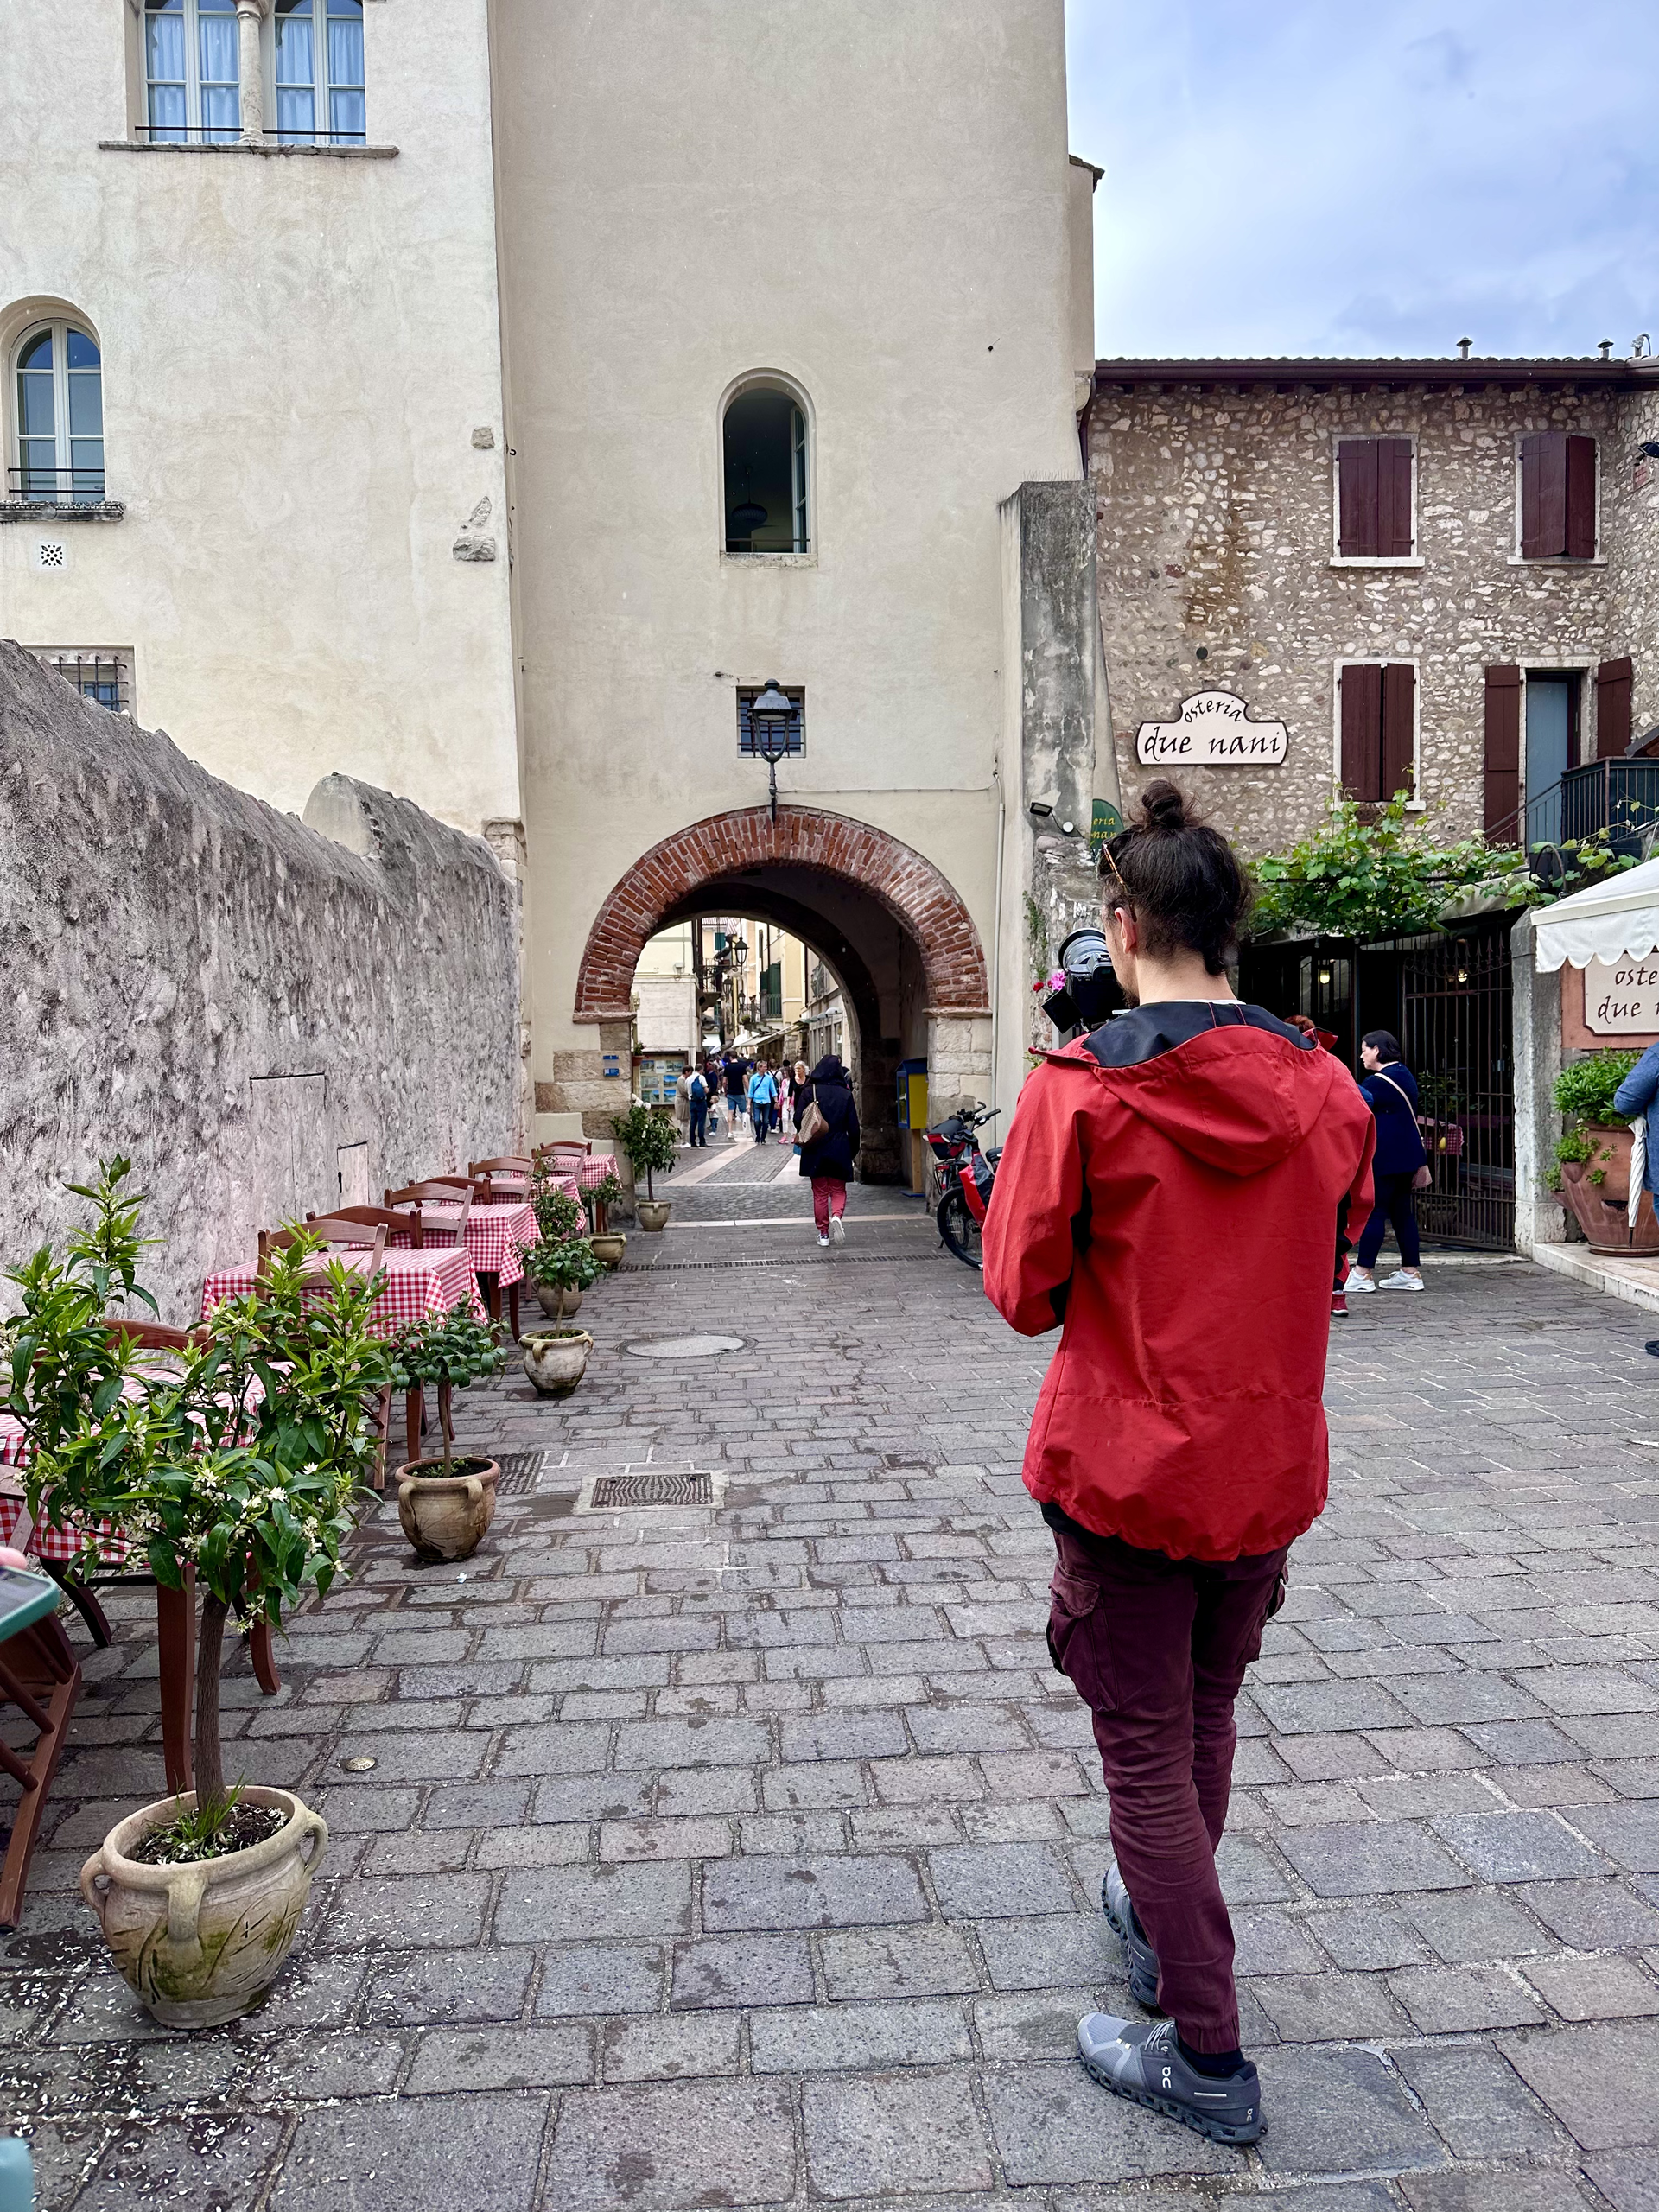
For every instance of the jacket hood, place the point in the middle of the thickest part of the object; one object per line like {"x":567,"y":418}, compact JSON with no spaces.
{"x":830,"y":1070}
{"x":1239,"y":1099}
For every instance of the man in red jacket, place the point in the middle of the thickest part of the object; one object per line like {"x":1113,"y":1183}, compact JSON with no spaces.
{"x":1178,"y":1446}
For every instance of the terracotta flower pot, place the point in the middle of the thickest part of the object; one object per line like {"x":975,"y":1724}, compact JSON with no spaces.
{"x":653,"y":1213}
{"x":555,"y":1359}
{"x":558,"y":1302}
{"x":201,"y":1943}
{"x":445,"y":1516}
{"x":1612,"y":1158}
{"x":608,"y":1246}
{"x":1604,"y":1218}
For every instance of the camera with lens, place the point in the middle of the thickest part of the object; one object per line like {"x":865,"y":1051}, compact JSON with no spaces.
{"x":1090,"y":992}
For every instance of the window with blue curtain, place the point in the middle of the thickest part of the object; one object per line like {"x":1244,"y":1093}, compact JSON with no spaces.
{"x":320,"y":84}
{"x":192,"y":71}
{"x":60,"y":414}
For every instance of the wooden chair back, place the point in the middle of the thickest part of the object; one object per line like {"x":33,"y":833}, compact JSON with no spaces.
{"x":155,"y":1335}
{"x":504,"y":1180}
{"x":441,"y":1206}
{"x":369,"y":1218}
{"x":334,"y":1229}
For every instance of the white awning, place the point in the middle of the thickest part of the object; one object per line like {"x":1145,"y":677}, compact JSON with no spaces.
{"x":1615,"y":920}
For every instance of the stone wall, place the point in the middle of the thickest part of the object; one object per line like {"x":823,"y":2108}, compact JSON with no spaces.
{"x":1214,"y":507}
{"x":265,"y":1014}
{"x":1629,"y":533}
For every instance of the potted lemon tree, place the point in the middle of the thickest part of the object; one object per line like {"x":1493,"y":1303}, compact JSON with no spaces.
{"x":648,"y":1140}
{"x":447,"y":1502}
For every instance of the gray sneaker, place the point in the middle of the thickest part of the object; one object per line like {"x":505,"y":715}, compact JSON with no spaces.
{"x":1145,"y":2064}
{"x":1142,"y":1958}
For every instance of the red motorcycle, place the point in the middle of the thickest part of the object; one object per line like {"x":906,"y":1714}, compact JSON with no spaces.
{"x":966,"y":1174}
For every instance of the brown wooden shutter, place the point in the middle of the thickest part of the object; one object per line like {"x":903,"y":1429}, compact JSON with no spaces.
{"x":1361,"y":684}
{"x":1356,"y":522}
{"x":1392,"y":498}
{"x":1399,"y":729}
{"x":1578,"y":535}
{"x":1502,"y":762}
{"x":1613,"y":682}
{"x":1543,"y":495}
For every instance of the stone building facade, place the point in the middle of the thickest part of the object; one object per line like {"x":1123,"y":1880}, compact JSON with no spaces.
{"x":1220,"y":568}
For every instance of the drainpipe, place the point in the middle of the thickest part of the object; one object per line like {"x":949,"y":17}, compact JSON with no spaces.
{"x":996,"y":926}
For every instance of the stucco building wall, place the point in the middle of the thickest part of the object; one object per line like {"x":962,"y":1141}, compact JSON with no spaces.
{"x":299,"y":347}
{"x":1215,"y":513}
{"x":259,"y":1012}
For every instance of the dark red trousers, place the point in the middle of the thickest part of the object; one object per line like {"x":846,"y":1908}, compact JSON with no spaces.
{"x":1156,"y":1649}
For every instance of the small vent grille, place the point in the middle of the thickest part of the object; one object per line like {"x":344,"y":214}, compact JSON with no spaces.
{"x":614,"y":1492}
{"x":54,"y":553}
{"x":518,"y":1473}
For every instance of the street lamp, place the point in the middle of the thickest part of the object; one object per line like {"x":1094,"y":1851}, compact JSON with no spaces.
{"x":769,"y":719}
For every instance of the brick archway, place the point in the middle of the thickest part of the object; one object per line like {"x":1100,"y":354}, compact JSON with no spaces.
{"x":723,"y":845}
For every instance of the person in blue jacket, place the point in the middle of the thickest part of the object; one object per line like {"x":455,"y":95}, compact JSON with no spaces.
{"x":1638,"y":1098}
{"x":1388,"y":1085}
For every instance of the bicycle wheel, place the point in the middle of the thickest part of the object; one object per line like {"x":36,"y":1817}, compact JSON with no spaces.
{"x":958,"y":1228}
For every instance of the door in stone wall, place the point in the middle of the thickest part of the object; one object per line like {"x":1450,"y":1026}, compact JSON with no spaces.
{"x":292,"y":1169}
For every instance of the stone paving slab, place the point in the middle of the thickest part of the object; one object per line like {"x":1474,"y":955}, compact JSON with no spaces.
{"x":752,"y":1858}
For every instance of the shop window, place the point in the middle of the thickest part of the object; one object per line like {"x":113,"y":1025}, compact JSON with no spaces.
{"x":1557,"y":497}
{"x":1377,"y":719}
{"x":1374,"y":499}
{"x":57,"y":395}
{"x":192,"y":74}
{"x":767,"y":455}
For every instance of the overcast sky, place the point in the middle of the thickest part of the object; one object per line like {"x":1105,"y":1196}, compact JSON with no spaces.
{"x":1369,"y":176}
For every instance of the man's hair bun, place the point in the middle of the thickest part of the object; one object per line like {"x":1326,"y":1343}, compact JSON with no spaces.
{"x":1164,"y":808}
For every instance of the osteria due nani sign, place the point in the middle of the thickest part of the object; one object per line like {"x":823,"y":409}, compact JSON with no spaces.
{"x":1214,"y":730}
{"x":1621,"y":997}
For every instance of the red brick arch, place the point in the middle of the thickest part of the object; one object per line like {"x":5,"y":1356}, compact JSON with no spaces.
{"x":723,"y":845}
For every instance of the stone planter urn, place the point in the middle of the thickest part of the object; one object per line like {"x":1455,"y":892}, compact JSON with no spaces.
{"x":558,"y":1302}
{"x":653,"y":1213}
{"x":608,"y":1246}
{"x":201,"y":1942}
{"x":445,"y":1515}
{"x":555,"y":1359}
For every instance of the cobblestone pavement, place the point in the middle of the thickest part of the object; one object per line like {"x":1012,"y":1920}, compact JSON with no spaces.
{"x":751,"y":1857}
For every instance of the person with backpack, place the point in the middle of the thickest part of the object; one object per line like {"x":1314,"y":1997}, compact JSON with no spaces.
{"x":1400,"y":1167}
{"x":697,"y":1098}
{"x":736,"y":1072}
{"x":828,"y":1137}
{"x":1178,"y":1446}
{"x":763,"y":1095}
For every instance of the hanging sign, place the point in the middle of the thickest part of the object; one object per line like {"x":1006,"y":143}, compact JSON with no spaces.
{"x":1105,"y":823}
{"x":1214,"y":731}
{"x":1621,"y":997}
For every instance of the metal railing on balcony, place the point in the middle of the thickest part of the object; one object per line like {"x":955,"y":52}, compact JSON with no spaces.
{"x":54,"y":487}
{"x":1619,"y":795}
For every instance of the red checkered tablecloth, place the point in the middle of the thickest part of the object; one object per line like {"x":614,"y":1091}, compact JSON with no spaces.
{"x":62,"y":1546}
{"x":416,"y":1284}
{"x":495,"y":1235}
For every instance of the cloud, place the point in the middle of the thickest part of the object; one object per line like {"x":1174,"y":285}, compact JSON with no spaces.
{"x":1311,"y":178}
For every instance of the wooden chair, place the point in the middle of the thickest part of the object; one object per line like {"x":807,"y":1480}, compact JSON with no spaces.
{"x":333,"y":1228}
{"x":40,"y":1676}
{"x":507,"y":1178}
{"x":443,"y":1203}
{"x":395,"y":1224}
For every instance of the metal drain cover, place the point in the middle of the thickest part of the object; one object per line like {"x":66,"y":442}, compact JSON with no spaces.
{"x":684,"y":1347}
{"x":518,"y":1473}
{"x":655,"y":1486}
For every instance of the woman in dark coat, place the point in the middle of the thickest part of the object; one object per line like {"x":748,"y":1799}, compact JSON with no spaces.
{"x":828,"y":1159}
{"x":1390,"y":1090}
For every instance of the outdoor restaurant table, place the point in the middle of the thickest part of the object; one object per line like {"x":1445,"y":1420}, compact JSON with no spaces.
{"x":496,"y":1236}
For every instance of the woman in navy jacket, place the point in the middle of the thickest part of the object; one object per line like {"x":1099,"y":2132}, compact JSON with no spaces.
{"x":1389,"y":1088}
{"x":827,"y":1158}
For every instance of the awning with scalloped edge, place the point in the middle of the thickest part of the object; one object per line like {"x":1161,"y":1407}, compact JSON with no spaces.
{"x":1615,"y":920}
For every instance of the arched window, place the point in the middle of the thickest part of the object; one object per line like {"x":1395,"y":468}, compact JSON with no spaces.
{"x":192,"y":76}
{"x":319,"y":72}
{"x":767,"y":472}
{"x":60,"y":422}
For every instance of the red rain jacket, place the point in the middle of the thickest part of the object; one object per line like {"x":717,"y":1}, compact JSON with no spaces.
{"x":1170,"y":1186}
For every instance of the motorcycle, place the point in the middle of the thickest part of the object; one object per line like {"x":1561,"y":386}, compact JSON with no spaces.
{"x":967,"y":1174}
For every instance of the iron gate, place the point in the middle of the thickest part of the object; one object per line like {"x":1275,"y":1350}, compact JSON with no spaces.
{"x":1457,"y":1036}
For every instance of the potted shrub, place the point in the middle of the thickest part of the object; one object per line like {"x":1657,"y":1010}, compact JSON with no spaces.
{"x":1592,"y":1158}
{"x":446,"y":1504}
{"x":609,"y":1244}
{"x":560,"y":1272}
{"x":239,"y":1459}
{"x":649,"y":1141}
{"x":555,"y":1359}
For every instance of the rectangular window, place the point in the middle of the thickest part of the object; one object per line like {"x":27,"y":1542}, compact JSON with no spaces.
{"x":104,"y":676}
{"x":748,"y":742}
{"x":1558,"y":497}
{"x":192,"y":71}
{"x":1375,"y":520}
{"x":1378,"y":722}
{"x":318,"y":51}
